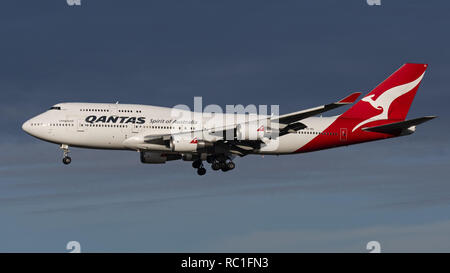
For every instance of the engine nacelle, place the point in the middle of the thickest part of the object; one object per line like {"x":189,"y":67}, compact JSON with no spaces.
{"x":255,"y":130}
{"x":186,"y":143}
{"x":157,"y":157}
{"x":192,"y":157}
{"x":153,"y":157}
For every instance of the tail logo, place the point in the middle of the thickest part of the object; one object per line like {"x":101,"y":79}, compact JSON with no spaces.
{"x":384,"y":101}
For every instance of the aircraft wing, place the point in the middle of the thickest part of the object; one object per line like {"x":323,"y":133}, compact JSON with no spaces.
{"x":297,"y":116}
{"x":288,"y":123}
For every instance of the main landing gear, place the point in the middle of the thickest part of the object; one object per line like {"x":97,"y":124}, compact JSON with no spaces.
{"x":224,"y":164}
{"x":198,"y":164}
{"x":218,"y":162}
{"x":66,"y":159}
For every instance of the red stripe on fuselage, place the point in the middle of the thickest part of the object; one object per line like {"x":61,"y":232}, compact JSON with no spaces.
{"x":332,"y":136}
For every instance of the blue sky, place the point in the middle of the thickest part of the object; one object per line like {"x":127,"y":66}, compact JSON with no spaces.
{"x":297,"y":54}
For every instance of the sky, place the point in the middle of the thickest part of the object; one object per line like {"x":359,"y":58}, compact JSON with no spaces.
{"x":297,"y":54}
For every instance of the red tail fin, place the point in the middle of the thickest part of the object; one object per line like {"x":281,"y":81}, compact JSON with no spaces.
{"x":391,"y":99}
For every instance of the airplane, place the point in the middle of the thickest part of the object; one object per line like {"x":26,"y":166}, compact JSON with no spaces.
{"x":159,"y":135}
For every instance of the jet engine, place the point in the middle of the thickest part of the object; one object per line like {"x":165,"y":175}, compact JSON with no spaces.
{"x":255,"y":130}
{"x":188,"y":143}
{"x":157,"y":157}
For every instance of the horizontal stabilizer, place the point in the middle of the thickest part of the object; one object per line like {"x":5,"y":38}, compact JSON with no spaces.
{"x":396,"y":127}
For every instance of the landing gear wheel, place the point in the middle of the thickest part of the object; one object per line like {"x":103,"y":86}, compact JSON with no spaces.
{"x":215,"y":166}
{"x":224,"y":169}
{"x":66,"y":160}
{"x":201,"y":171}
{"x":197,"y":164}
{"x":222,"y":164}
{"x":230,"y":165}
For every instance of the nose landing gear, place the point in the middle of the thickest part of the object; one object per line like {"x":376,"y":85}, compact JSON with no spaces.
{"x":66,"y":159}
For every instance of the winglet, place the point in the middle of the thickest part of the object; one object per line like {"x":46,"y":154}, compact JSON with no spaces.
{"x":350,"y":98}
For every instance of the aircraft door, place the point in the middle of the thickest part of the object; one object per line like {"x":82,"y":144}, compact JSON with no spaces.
{"x":134,"y":128}
{"x":113,"y":109}
{"x":80,"y":126}
{"x":343,"y":134}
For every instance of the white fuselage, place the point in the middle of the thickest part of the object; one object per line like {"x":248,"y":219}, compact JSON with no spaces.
{"x":113,"y":126}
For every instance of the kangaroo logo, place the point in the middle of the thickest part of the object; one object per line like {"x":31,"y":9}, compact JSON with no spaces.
{"x":384,"y":101}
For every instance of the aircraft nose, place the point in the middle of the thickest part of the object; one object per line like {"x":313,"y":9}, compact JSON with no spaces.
{"x":26,"y":126}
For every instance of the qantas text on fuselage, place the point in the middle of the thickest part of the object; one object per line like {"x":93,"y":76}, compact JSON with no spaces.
{"x":163,"y":134}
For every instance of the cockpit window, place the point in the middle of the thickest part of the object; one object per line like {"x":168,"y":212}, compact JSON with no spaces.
{"x":55,"y":108}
